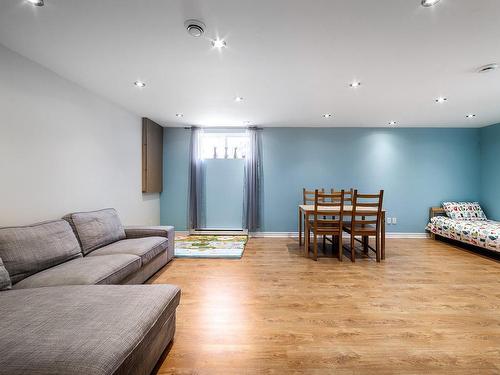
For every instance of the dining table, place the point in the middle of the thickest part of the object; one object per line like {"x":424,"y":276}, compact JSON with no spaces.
{"x":306,"y":210}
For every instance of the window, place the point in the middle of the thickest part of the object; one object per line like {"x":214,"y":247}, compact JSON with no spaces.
{"x":223,"y":145}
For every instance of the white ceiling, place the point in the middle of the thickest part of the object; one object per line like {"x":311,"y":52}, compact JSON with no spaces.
{"x":291,"y":60}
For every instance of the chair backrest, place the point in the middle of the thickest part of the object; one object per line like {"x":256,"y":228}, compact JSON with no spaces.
{"x":367,"y":208}
{"x":308,"y":195}
{"x":333,"y":202}
{"x":348,"y":194}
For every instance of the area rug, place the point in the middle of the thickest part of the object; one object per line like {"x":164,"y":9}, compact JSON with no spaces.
{"x":209,"y":246}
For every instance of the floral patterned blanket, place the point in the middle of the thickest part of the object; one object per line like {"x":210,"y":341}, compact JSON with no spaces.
{"x":483,"y":233}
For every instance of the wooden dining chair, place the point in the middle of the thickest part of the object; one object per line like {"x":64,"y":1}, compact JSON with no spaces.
{"x":307,"y":199}
{"x":327,"y":223}
{"x":310,"y":194}
{"x":365,"y":222}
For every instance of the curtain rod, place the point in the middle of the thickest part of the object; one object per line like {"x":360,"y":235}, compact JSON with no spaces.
{"x":223,"y":127}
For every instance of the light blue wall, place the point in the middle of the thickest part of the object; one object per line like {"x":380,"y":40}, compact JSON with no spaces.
{"x":418,"y":168}
{"x":490,"y":171}
{"x":174,"y":198}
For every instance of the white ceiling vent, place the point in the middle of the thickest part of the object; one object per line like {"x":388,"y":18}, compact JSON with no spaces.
{"x":487,"y":68}
{"x":195,"y":28}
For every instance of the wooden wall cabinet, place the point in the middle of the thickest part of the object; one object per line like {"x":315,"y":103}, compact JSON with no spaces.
{"x":152,"y":156}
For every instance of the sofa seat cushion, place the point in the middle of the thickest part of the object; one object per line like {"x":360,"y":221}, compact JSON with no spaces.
{"x":86,"y":330}
{"x":146,"y":248}
{"x":154,"y":231}
{"x":33,"y":248}
{"x":108,"y":269}
{"x":96,"y":229}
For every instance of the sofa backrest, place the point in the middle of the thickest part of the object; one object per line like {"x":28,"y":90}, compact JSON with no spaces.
{"x":33,"y":248}
{"x":96,"y":229}
{"x":5,"y":282}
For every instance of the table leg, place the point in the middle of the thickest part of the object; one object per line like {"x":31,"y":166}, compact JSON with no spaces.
{"x":300,"y":227}
{"x":382,"y":227}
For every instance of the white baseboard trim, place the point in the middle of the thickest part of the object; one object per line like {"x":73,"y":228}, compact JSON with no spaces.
{"x":219,"y":232}
{"x":296,"y":234}
{"x":407,"y":235}
{"x":274,"y":234}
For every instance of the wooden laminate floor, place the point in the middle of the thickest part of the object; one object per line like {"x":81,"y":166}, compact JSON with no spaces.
{"x":430,"y":308}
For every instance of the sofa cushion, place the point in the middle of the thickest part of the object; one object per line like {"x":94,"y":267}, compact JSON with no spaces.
{"x":108,"y":269}
{"x":154,"y":231}
{"x":5,"y":282}
{"x":86,"y":330}
{"x":146,"y":248}
{"x":96,"y":228}
{"x":30,"y":249}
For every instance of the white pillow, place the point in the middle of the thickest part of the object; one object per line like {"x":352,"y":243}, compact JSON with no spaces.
{"x":470,"y":211}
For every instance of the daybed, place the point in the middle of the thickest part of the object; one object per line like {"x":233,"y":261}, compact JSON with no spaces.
{"x":465,"y":222}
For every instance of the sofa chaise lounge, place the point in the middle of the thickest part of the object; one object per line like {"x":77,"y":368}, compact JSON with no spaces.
{"x":58,"y":317}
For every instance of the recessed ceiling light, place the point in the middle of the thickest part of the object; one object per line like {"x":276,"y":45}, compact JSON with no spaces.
{"x":38,"y":3}
{"x":487,"y":68}
{"x":179,"y":115}
{"x":355,"y":84}
{"x":470,"y":115}
{"x":238,"y":99}
{"x":392,"y":123}
{"x":327,"y":115}
{"x":139,"y":84}
{"x":441,"y":99}
{"x":219,"y":43}
{"x":429,"y":3}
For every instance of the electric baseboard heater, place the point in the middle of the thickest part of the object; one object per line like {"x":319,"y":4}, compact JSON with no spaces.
{"x":220,"y":232}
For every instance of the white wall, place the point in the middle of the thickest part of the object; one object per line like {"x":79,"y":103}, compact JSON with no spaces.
{"x":64,"y":149}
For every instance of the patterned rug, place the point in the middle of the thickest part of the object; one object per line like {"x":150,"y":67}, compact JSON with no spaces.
{"x":208,"y":246}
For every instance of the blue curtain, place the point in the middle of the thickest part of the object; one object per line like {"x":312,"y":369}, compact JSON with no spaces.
{"x":195,"y":211}
{"x":253,"y":182}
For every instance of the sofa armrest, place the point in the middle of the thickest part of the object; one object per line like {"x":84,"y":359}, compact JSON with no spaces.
{"x":154,"y":231}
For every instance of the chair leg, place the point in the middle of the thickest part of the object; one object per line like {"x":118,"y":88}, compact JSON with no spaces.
{"x":377,"y":247}
{"x":315,"y":246}
{"x":306,"y":250}
{"x":353,"y":252}
{"x":382,"y":236}
{"x":341,"y":250}
{"x":365,"y":244}
{"x":300,"y":227}
{"x":306,"y":243}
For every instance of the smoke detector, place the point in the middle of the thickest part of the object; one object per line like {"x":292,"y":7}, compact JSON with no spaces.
{"x":487,"y":68}
{"x":195,"y":28}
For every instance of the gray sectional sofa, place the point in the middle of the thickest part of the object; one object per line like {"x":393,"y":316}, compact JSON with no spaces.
{"x":67,"y":305}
